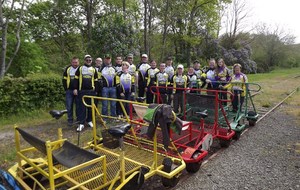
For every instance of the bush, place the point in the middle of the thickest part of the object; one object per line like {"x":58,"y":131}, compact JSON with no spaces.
{"x":33,"y":92}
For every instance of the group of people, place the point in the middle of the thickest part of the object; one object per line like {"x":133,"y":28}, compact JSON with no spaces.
{"x":159,"y":84}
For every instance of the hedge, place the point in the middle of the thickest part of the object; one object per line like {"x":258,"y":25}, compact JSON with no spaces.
{"x":19,"y":95}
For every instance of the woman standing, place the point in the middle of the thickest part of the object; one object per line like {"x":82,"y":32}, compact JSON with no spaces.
{"x":237,"y":84}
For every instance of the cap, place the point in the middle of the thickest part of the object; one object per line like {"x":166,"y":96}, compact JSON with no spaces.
{"x":196,"y":61}
{"x":144,"y":55}
{"x":130,"y":55}
{"x":87,"y":56}
{"x":107,"y":56}
{"x":180,"y":66}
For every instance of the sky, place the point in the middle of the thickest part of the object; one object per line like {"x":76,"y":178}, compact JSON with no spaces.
{"x":285,"y":14}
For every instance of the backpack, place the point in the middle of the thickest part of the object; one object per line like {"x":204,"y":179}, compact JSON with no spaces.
{"x":7,"y":181}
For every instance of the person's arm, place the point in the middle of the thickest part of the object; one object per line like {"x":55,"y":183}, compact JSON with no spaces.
{"x":76,"y":81}
{"x":65,"y":78}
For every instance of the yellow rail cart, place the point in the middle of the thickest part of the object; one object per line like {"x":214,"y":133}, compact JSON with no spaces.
{"x":111,"y":164}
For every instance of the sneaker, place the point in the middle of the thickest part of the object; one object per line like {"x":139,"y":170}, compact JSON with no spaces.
{"x":80,"y":127}
{"x":90,"y":124}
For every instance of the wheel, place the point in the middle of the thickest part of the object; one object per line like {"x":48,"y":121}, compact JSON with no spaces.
{"x":224,"y":143}
{"x":252,"y":123}
{"x":193,"y":167}
{"x":237,"y":135}
{"x":169,"y":182}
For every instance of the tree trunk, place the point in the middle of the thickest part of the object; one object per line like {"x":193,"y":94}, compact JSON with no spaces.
{"x":4,"y":43}
{"x":89,"y":18}
{"x":145,"y":27}
{"x":165,"y":28}
{"x":17,"y":37}
{"x":124,"y":9}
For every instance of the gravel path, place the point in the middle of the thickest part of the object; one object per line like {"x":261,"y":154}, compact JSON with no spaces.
{"x":266,"y":157}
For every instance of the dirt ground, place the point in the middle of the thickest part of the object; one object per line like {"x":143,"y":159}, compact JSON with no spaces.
{"x":267,"y":156}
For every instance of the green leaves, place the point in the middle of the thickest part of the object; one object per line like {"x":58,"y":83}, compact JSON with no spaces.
{"x":26,"y":94}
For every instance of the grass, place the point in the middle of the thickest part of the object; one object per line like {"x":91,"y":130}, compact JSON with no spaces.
{"x":275,"y":85}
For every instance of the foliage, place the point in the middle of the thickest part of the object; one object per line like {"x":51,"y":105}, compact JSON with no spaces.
{"x":30,"y":93}
{"x":29,"y":60}
{"x":118,"y":38}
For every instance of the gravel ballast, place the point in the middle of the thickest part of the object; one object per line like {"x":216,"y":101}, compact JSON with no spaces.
{"x":266,"y":157}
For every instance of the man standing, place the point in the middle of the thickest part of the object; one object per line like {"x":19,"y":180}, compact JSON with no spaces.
{"x":161,"y":80}
{"x":85,"y":83}
{"x":149,"y":81}
{"x":142,"y":68}
{"x":170,"y":71}
{"x":118,"y":65}
{"x":108,"y":76}
{"x":68,"y":84}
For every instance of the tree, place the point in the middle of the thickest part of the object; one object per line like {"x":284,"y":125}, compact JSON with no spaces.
{"x":7,"y":13}
{"x":270,"y":47}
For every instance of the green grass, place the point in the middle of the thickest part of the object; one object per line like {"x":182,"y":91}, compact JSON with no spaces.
{"x":26,"y":119}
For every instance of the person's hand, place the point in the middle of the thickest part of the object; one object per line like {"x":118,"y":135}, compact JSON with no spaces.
{"x":188,"y":91}
{"x":122,"y":94}
{"x":172,"y":96}
{"x":146,"y":89}
{"x":221,"y":87}
{"x":75,"y":92}
{"x":208,"y":81}
{"x":132,"y":94}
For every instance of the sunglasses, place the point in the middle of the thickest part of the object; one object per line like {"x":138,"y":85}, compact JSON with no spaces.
{"x":88,"y":60}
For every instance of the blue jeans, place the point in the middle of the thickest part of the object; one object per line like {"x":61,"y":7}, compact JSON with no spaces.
{"x":82,"y":114}
{"x":109,"y":92}
{"x":70,"y":100}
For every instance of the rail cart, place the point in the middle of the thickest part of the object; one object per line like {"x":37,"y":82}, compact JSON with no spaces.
{"x":198,"y":101}
{"x":195,"y":139}
{"x":111,"y":164}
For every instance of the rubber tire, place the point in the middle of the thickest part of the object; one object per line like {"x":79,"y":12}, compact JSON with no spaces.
{"x":224,"y":143}
{"x":252,"y":123}
{"x":237,"y":135}
{"x":169,"y":182}
{"x":193,"y":167}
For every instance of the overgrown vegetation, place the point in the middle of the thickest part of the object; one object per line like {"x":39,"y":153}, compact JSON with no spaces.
{"x":20,"y":95}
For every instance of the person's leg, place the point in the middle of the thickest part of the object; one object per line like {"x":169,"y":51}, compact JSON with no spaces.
{"x":104,"y":102}
{"x":235,"y":101}
{"x":181,"y":102}
{"x":127,"y":97}
{"x":141,"y":90}
{"x":69,"y":105}
{"x":77,"y":102}
{"x":113,"y":94}
{"x":118,"y":106}
{"x":89,"y":110}
{"x":175,"y":102}
{"x":82,"y":109}
{"x":242,"y":98}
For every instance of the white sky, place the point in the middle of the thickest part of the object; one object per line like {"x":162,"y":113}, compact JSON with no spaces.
{"x":282,"y":13}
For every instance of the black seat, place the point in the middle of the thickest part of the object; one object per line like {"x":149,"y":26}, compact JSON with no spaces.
{"x":203,"y":114}
{"x":119,"y":131}
{"x":140,"y":99}
{"x":57,"y":113}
